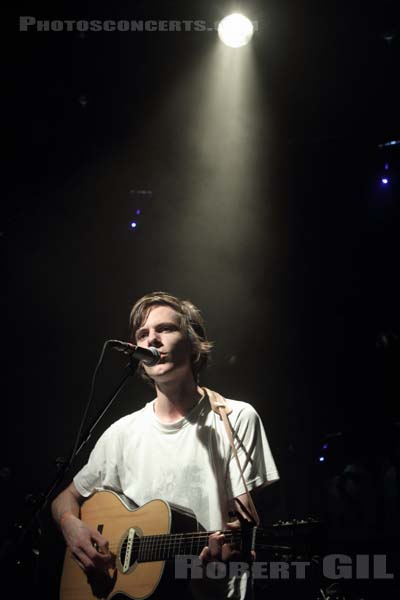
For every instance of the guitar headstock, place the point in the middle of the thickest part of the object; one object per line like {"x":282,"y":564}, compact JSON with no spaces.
{"x":289,"y":539}
{"x":296,"y":526}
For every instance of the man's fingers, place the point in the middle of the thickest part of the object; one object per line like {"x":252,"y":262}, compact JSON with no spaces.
{"x":228,"y":554}
{"x":212,"y":552}
{"x":78,"y":562}
{"x":88,"y":557}
{"x":215,"y":543}
{"x":234,"y":524}
{"x":219,"y":550}
{"x":205,"y":555}
{"x":83,"y":560}
{"x":100,"y":560}
{"x":101,"y":542}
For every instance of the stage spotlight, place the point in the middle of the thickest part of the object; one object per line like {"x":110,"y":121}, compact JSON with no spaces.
{"x":235,"y":30}
{"x":385,"y":180}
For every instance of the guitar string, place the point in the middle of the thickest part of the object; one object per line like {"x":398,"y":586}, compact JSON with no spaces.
{"x":158,"y":542}
{"x":166,"y":541}
{"x":151,"y":554}
{"x":148,"y":541}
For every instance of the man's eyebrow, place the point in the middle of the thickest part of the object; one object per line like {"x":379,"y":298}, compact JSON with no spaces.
{"x":163,"y":324}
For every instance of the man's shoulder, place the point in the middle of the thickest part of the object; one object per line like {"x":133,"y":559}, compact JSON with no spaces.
{"x":239,"y":407}
{"x":240,"y":411}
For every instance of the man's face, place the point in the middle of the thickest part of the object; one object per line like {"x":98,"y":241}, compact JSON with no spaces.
{"x":161,"y":330}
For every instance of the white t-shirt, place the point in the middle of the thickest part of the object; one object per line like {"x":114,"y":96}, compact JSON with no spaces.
{"x":189,"y":462}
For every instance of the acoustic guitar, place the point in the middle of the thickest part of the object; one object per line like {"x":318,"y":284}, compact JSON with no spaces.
{"x":144,"y":541}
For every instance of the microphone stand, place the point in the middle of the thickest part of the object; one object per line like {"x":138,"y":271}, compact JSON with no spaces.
{"x":11,"y":548}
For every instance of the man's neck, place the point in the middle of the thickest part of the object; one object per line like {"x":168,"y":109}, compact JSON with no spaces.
{"x":176,"y":399}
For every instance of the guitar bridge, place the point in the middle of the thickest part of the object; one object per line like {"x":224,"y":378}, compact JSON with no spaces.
{"x":128,"y":550}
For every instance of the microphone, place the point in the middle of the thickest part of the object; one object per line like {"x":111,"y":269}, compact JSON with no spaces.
{"x":150,"y":356}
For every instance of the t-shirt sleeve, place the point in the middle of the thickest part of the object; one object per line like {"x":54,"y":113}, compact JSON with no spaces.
{"x":254,"y":454}
{"x":101,"y":470}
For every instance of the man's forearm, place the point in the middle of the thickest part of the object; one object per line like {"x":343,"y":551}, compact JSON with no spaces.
{"x":66,"y":503}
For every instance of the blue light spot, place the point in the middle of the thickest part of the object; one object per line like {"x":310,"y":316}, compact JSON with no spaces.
{"x":321,"y":459}
{"x":385,"y":180}
{"x":138,"y":211}
{"x":324,"y":447}
{"x":133,"y":225}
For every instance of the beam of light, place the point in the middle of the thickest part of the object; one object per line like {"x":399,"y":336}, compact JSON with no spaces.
{"x":235,"y":30}
{"x":217,"y":121}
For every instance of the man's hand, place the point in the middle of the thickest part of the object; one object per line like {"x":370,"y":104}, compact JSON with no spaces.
{"x":218,"y":549}
{"x":89,"y":548}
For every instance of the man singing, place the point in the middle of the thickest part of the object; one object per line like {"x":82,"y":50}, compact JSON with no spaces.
{"x":174,"y":448}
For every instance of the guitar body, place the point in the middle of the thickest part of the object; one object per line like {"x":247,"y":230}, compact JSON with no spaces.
{"x":144,"y":541}
{"x":108,"y":513}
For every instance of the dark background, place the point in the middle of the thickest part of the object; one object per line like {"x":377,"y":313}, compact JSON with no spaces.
{"x":268,"y":212}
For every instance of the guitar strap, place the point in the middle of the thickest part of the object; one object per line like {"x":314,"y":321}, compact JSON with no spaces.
{"x":220,"y":406}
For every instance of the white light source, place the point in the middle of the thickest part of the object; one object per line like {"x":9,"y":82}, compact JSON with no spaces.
{"x":235,"y":30}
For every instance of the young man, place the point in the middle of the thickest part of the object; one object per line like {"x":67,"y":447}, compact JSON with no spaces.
{"x":175,"y":448}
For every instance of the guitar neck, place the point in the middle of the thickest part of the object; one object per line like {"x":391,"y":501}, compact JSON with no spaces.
{"x":167,"y":546}
{"x":278,"y":538}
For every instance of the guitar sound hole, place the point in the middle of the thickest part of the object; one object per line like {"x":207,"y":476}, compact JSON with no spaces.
{"x":129,"y":548}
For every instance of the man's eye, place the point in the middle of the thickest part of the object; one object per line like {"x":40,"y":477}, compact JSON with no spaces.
{"x":140,"y":336}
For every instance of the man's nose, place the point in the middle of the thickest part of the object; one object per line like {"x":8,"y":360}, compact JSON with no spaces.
{"x":154,"y":339}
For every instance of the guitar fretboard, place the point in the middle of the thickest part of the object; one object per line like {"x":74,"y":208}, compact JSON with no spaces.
{"x":164,"y":547}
